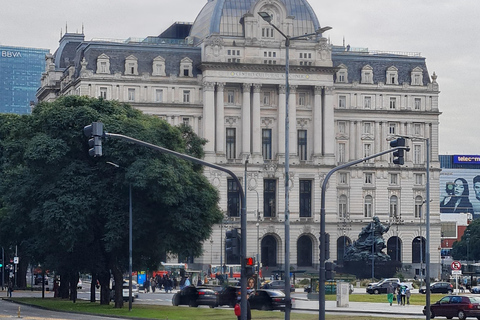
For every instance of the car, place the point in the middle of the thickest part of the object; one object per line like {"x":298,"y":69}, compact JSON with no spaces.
{"x":267,"y":299}
{"x":79,"y":284}
{"x":455,"y":306}
{"x":125,"y":291}
{"x":277,"y":284}
{"x":393,"y":280}
{"x":227,"y":295}
{"x":382,"y":286}
{"x":438,"y":287}
{"x":475,"y":289}
{"x":193,"y":297}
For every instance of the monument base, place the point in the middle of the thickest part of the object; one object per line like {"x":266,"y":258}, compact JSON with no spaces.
{"x":363,"y":269}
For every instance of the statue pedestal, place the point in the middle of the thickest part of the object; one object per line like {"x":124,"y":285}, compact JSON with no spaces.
{"x":363,"y":269}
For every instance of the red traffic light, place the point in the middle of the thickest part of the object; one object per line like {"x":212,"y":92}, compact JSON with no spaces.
{"x":250,"y":261}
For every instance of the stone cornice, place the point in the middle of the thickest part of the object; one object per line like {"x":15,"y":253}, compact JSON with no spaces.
{"x":266,"y":68}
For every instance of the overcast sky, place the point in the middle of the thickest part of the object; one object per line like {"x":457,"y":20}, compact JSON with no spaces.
{"x":443,"y":31}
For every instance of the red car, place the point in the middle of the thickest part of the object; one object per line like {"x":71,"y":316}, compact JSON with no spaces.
{"x":455,"y":306}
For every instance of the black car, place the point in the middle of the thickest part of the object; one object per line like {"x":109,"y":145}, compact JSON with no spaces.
{"x":277,"y":285}
{"x":455,"y":306}
{"x":438,"y":287}
{"x":380,"y":287}
{"x":267,"y":299}
{"x":227,"y":296}
{"x":194,"y":297}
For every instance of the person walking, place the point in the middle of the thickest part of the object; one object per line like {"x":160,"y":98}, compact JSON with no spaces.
{"x":403,"y":293}
{"x":10,"y":288}
{"x":408,"y":293}
{"x":390,"y":291}
{"x":399,"y":295}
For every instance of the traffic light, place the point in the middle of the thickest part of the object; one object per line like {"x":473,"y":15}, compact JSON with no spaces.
{"x":327,"y":246}
{"x":249,"y":266}
{"x":95,"y":134}
{"x":232,"y":246}
{"x":329,"y":270}
{"x":398,"y":155}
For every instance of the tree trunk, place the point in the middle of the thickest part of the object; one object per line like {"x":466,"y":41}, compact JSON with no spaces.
{"x":104,"y":279}
{"x":92,"y":287}
{"x":118,"y":278}
{"x":73,"y":286}
{"x":63,"y":290}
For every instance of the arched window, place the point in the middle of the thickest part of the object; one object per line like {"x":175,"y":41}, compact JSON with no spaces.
{"x":418,"y":250}
{"x":342,"y":206}
{"x":342,"y":243}
{"x":393,"y":206}
{"x":304,"y":251}
{"x":269,"y":251}
{"x":394,"y":248}
{"x":368,"y":207}
{"x":418,"y":206}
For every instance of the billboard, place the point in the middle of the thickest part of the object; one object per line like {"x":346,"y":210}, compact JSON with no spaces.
{"x":460,"y":191}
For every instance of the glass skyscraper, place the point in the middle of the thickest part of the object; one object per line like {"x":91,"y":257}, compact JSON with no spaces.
{"x":20,"y":73}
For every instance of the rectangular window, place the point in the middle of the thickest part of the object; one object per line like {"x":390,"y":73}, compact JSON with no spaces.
{"x":267,"y":144}
{"x":302,"y":144}
{"x":368,"y":178}
{"x":233,"y":200}
{"x":305,"y":198}
{"x":392,"y":128}
{"x":417,"y":154}
{"x":131,"y":94}
{"x":341,"y":77}
{"x":266,"y":98}
{"x":186,"y":96}
{"x":103,"y":92}
{"x":418,"y":179}
{"x":367,"y":102}
{"x":342,"y":102}
{"x":342,"y":178}
{"x":231,"y":143}
{"x":394,"y":179}
{"x":417,"y":129}
{"x":342,"y":206}
{"x":186,"y":121}
{"x":367,"y":150}
{"x":418,"y":103}
{"x":230,"y":96}
{"x":103,"y":67}
{"x":302,"y":99}
{"x":158,"y":95}
{"x":393,"y":103}
{"x":367,"y":127}
{"x":186,"y":72}
{"x":267,"y":32}
{"x":418,"y":209}
{"x":368,"y":207}
{"x":131,"y":67}
{"x":269,"y":197}
{"x":342,"y":127}
{"x":341,"y":152}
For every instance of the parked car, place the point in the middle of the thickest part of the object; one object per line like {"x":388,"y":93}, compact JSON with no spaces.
{"x":267,"y":299}
{"x":475,"y":289}
{"x":438,"y":287}
{"x":125,"y":291}
{"x":278,"y":285}
{"x":194,"y":297}
{"x":382,"y":286}
{"x":228,"y":296}
{"x":455,"y":306}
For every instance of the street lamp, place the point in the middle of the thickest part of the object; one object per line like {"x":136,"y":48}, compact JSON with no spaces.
{"x":129,"y":240}
{"x":268,"y":18}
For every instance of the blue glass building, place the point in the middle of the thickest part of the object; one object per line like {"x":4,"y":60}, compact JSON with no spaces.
{"x":20,"y":73}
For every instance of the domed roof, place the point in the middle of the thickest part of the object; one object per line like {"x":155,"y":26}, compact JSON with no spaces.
{"x":224,"y":17}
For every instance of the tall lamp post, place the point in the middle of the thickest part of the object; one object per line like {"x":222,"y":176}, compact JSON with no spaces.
{"x":130,"y":249}
{"x":268,"y":18}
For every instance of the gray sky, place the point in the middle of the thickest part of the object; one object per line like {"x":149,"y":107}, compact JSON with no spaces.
{"x":443,"y":31}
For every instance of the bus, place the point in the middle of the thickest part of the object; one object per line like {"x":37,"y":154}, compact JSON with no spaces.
{"x":234,"y":271}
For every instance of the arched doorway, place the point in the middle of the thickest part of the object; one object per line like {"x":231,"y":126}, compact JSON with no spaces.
{"x":342,"y":243}
{"x":269,"y":251}
{"x":304,"y":251}
{"x":418,"y":250}
{"x":394,"y":248}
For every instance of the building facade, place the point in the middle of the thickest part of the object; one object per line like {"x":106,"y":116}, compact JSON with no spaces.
{"x":20,"y":72}
{"x":227,"y":81}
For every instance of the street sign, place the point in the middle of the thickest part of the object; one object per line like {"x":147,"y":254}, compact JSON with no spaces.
{"x":456,"y":265}
{"x":15,"y":260}
{"x":456,"y":272}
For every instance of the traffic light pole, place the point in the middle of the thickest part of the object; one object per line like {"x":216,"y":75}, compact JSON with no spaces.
{"x":243,"y":215}
{"x":321,"y":272}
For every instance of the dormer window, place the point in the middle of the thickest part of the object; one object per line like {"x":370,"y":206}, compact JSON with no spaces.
{"x":392,"y":75}
{"x":158,"y":66}
{"x":131,"y":65}
{"x":342,"y":74}
{"x":367,"y":74}
{"x":416,"y":76}
{"x":103,"y":64}
{"x":186,"y":67}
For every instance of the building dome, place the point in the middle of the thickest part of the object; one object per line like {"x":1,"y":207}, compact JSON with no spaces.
{"x":225,"y":17}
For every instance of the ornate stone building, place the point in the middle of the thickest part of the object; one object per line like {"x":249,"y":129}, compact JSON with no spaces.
{"x":226,"y":79}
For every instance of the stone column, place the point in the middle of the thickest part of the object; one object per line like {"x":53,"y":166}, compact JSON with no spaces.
{"x":281,"y":120}
{"x":328,"y":123}
{"x":246,"y":120}
{"x":292,"y":115}
{"x":256,"y":130}
{"x":209,"y":113}
{"x":378,"y":142}
{"x":317,"y":122}
{"x":220,"y":120}
{"x":351,"y":140}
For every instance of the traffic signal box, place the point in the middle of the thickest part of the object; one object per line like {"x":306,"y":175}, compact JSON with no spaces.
{"x":398,"y":156}
{"x":95,"y":134}
{"x":232,"y":246}
{"x":249,"y":266}
{"x":330,"y":270}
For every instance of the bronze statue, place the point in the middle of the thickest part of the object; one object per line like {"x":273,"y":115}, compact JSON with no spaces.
{"x":370,"y":241}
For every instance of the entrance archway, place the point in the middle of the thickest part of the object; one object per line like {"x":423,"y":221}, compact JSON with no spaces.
{"x":269,"y":251}
{"x":394,"y":248}
{"x":304,"y":251}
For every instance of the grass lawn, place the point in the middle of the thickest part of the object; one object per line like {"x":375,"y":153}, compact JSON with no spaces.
{"x":186,"y":313}
{"x":415,"y":299}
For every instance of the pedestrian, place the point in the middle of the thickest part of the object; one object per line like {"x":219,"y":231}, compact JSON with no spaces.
{"x":175,"y":283}
{"x":10,"y":288}
{"x":187,"y":282}
{"x":153,"y":284}
{"x":399,"y":296}
{"x":238,"y":313}
{"x":408,"y":293}
{"x":390,"y":291}
{"x":403,"y":293}
{"x":146,"y":285}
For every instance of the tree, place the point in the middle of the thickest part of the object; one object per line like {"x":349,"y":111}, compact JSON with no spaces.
{"x":468,"y":244}
{"x":70,"y":211}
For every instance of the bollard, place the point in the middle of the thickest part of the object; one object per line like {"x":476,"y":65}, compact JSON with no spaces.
{"x":18,"y":313}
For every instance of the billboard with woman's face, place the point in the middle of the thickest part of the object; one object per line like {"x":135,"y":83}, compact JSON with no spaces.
{"x":460,"y":191}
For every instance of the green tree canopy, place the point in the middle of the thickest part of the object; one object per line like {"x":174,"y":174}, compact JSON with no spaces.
{"x":69,"y":211}
{"x":468,"y":248}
